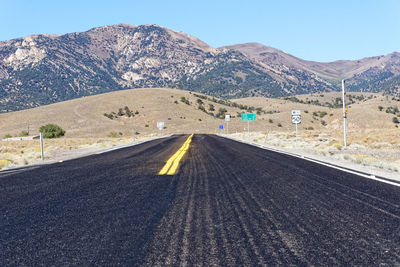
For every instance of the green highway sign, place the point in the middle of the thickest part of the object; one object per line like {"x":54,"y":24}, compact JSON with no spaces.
{"x":248,"y":116}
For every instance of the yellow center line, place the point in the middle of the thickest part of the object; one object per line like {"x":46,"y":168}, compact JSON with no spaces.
{"x":173,"y":162}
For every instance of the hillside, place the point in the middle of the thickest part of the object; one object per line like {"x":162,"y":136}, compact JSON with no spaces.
{"x":187,"y":112}
{"x":372,"y":74}
{"x":43,"y":69}
{"x":89,"y":116}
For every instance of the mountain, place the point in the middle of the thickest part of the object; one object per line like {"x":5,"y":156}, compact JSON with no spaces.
{"x":372,"y":74}
{"x":43,"y":69}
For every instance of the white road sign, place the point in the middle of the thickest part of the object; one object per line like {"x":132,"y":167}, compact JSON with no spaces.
{"x":296,"y":112}
{"x":227,"y":117}
{"x":160,"y":125}
{"x":296,"y":119}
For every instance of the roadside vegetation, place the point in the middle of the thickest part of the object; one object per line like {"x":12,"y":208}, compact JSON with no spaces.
{"x":335,"y":103}
{"x":51,"y":131}
{"x":122,"y":112}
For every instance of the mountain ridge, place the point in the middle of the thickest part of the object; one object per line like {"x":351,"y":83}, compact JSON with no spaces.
{"x":350,"y":70}
{"x":44,"y":68}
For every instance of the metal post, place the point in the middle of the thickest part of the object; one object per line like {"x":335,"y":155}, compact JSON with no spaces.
{"x":227,"y":127}
{"x":248,"y":128}
{"x":41,"y":146}
{"x":344,"y":116}
{"x":296,"y":134}
{"x":133,"y":134}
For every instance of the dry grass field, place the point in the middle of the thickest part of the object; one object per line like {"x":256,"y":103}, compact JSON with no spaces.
{"x":86,"y":124}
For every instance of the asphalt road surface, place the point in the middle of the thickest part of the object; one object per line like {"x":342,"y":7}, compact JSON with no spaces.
{"x":229,"y":204}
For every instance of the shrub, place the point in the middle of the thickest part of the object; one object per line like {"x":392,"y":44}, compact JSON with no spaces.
{"x":323,"y":122}
{"x":146,"y":125}
{"x":23,"y":133}
{"x":380,"y":108}
{"x":128,"y":112}
{"x":221,"y":113}
{"x":270,"y":121}
{"x":392,"y":110}
{"x":305,"y":111}
{"x":395,"y":120}
{"x":185,"y":100}
{"x":51,"y":131}
{"x":114,"y":134}
{"x":279,"y":125}
{"x":201,"y":107}
{"x":7,"y":136}
{"x":110,"y":116}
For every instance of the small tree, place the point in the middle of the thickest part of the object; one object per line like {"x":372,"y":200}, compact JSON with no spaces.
{"x":128,"y":112}
{"x":51,"y":131}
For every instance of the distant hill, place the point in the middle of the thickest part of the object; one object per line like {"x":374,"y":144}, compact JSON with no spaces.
{"x":372,"y":74}
{"x":188,"y":112}
{"x":44,"y":69}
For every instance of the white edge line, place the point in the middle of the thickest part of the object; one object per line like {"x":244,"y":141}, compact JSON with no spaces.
{"x":318,"y":162}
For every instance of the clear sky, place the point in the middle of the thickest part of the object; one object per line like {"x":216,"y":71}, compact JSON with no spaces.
{"x":321,"y":30}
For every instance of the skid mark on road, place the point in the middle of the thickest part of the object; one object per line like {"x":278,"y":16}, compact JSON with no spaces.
{"x":319,"y":199}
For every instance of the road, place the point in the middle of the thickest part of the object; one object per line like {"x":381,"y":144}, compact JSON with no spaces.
{"x":229,"y":204}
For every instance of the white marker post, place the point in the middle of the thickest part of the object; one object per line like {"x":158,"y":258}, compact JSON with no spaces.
{"x":160,"y":126}
{"x":344,"y":116}
{"x":227,"y":119}
{"x":133,"y":135}
{"x":41,"y":146}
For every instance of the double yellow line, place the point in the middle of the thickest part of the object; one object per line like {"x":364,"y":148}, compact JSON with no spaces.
{"x":172,"y":164}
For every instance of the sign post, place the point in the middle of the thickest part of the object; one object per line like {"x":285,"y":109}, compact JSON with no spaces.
{"x":160,"y":126}
{"x":248,"y":117}
{"x":41,"y":146}
{"x":296,"y":119}
{"x":227,"y":119}
{"x":344,"y":116}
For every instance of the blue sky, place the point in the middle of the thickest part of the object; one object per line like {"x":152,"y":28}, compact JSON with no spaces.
{"x":321,"y":30}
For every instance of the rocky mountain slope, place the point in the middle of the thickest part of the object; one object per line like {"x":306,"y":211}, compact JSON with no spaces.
{"x":372,"y":74}
{"x":44,"y":69}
